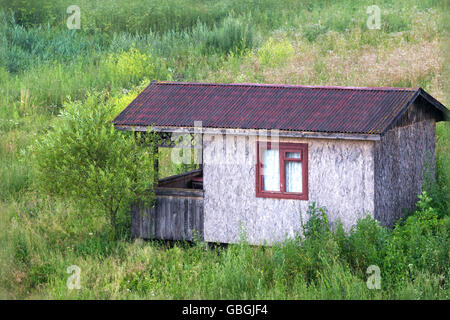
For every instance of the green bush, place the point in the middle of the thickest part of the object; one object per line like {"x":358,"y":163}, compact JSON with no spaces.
{"x":418,"y":246}
{"x":317,"y":225}
{"x":312,"y":256}
{"x":85,"y":158}
{"x":437,"y":183}
{"x":365,"y":244}
{"x":420,"y":243}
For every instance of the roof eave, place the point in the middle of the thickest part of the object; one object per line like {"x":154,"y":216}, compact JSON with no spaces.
{"x":254,"y":132}
{"x":406,"y":107}
{"x":435,"y":103}
{"x":422,"y":93}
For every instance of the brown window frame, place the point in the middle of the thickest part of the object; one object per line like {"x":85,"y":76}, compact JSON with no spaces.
{"x":283,"y":147}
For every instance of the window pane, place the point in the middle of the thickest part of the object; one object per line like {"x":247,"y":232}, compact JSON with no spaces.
{"x":293,"y":170}
{"x":271,"y":170}
{"x":294,"y":155}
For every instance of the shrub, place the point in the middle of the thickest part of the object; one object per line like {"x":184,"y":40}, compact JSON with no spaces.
{"x":318,"y":249}
{"x":421,"y":242}
{"x":437,"y":183}
{"x":85,"y":158}
{"x":317,"y":225}
{"x":365,"y":244}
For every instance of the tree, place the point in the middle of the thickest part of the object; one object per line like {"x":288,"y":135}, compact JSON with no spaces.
{"x":82,"y":156}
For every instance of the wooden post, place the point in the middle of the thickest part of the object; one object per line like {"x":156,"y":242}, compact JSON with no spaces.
{"x":156,"y":163}
{"x":201,"y":154}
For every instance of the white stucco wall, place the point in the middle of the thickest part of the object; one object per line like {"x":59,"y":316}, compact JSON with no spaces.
{"x":340,"y":177}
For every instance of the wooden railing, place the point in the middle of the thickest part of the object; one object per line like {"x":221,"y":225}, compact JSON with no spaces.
{"x":176,"y":215}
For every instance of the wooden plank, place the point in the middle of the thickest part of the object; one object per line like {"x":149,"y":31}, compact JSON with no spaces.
{"x":178,"y":216}
{"x":201,"y":219}
{"x":141,"y":221}
{"x":143,"y":213}
{"x":191,"y":218}
{"x":171,"y":213}
{"x":152,"y":218}
{"x":168,"y":217}
{"x":176,"y":230}
{"x":181,"y":192}
{"x":162,"y":219}
{"x":179,"y":219}
{"x":194,"y":218}
{"x":155,"y":235}
{"x":150,"y":213}
{"x":186,"y":219}
{"x":172,"y":218}
{"x":198,"y":220}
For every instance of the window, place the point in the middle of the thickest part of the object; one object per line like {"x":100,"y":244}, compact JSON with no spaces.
{"x":282,"y":170}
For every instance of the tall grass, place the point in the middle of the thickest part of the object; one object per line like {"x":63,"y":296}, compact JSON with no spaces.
{"x":161,"y":16}
{"x":232,"y":35}
{"x":48,"y":236}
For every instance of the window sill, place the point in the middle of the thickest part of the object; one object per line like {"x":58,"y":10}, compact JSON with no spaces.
{"x":278,"y":195}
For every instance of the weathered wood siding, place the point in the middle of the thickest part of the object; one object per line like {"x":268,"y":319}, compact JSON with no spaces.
{"x":401,"y":157}
{"x":177,"y":215}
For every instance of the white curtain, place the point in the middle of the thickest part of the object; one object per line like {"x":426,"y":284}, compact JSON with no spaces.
{"x":293,"y":172}
{"x":271,"y":170}
{"x":295,"y":155}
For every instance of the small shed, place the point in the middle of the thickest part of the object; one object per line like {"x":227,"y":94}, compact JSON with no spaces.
{"x":266,"y":152}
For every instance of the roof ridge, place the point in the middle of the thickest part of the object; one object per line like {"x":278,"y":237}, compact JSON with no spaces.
{"x":293,"y":86}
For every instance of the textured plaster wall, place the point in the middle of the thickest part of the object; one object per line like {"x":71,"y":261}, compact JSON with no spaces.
{"x":340,"y":177}
{"x":400,"y":159}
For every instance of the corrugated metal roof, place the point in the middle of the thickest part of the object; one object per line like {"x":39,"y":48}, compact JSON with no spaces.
{"x":260,"y":106}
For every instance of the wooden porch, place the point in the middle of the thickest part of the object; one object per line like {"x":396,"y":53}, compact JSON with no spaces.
{"x":178,"y":211}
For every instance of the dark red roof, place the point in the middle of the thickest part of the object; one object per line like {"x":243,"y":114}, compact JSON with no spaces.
{"x":258,"y":106}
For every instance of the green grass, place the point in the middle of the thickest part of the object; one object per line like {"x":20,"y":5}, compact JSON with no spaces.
{"x":50,"y":235}
{"x":119,"y":49}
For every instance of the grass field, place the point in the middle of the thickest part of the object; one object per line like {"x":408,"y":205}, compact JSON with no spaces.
{"x":121,"y":47}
